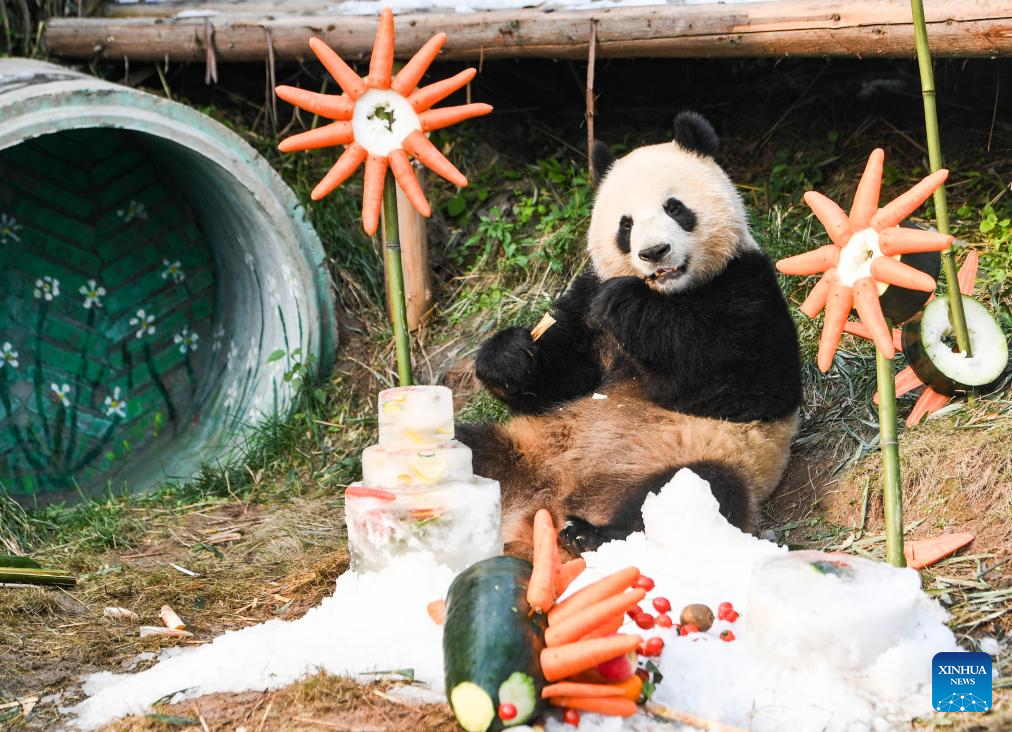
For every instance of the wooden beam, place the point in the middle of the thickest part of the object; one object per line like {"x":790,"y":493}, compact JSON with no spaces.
{"x":863,"y":28}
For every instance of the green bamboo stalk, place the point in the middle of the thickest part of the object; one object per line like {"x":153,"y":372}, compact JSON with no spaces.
{"x":892,"y":494}
{"x":956,"y":315}
{"x":395,"y":281}
{"x":37,"y":576}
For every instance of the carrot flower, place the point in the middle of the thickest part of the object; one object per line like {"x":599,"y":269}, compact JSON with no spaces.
{"x":863,"y":258}
{"x":381,"y":119}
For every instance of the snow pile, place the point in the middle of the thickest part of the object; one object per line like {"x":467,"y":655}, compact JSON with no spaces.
{"x":813,"y":652}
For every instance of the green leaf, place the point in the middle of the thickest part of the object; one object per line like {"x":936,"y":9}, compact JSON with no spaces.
{"x":456,"y":205}
{"x":276,"y":355}
{"x":320,"y":394}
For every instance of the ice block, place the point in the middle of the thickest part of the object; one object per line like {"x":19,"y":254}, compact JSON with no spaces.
{"x":394,"y":468}
{"x":415,"y":416}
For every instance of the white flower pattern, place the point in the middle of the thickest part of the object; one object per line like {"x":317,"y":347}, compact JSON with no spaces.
{"x":186,"y":339}
{"x":173,"y":270}
{"x":47,"y":288}
{"x":61,"y":392}
{"x":9,"y":229}
{"x":134,"y":210}
{"x":231,"y":395}
{"x":93,"y":294}
{"x":8,"y":356}
{"x":115,"y":406}
{"x":144,"y":322}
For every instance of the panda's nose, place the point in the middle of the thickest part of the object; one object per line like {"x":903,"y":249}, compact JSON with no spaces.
{"x":654,"y":253}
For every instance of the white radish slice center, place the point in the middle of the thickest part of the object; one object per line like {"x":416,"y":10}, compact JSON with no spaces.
{"x":987,"y":342}
{"x":856,"y":256}
{"x":381,"y":120}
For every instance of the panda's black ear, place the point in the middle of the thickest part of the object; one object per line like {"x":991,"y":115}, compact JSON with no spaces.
{"x":694,"y":133}
{"x":601,"y":161}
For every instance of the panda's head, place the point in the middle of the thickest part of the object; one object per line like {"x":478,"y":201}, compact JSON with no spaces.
{"x":666,"y":213}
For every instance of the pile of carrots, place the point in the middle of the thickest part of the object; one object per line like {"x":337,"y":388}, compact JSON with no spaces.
{"x":582,"y":629}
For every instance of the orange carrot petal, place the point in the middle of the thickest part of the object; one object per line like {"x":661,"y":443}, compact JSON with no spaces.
{"x":437,"y":611}
{"x":838,"y":305}
{"x":381,"y":63}
{"x":422,"y":99}
{"x":575,"y":688}
{"x":906,"y":380}
{"x":615,"y":706}
{"x":409,"y":76}
{"x":342,"y":73}
{"x":569,"y":572}
{"x":813,"y":262}
{"x":608,"y":627}
{"x":336,"y":133}
{"x":832,"y":217}
{"x":894,"y":272}
{"x":541,"y":589}
{"x":372,"y":192}
{"x":928,"y":402}
{"x":968,"y":272}
{"x":418,"y":145}
{"x":437,"y":119}
{"x":605,"y":587}
{"x":870,"y":312}
{"x":347,"y":164}
{"x":563,"y":661}
{"x":408,"y":181}
{"x":330,"y":106}
{"x":906,"y":203}
{"x":906,"y":241}
{"x":866,"y":197}
{"x":578,"y":624}
{"x":816,"y":299}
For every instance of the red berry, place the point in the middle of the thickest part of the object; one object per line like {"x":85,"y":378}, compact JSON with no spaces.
{"x":664,"y":621}
{"x":730,"y":616}
{"x":654,"y":646}
{"x":661,"y":604}
{"x":723,"y":608}
{"x":645,"y":583}
{"x":645,"y":621}
{"x":727,"y":636}
{"x":687,"y":628}
{"x":571,"y":716}
{"x":634,"y":611}
{"x":507,"y":711}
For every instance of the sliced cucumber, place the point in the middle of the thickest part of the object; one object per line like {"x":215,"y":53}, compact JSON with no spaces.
{"x":472,"y":706}
{"x":927,"y":345}
{"x":520,"y":691}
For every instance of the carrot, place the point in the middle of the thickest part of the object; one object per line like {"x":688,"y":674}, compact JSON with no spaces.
{"x":381,"y":63}
{"x":906,"y":203}
{"x":928,"y":402}
{"x":372,"y":192}
{"x":342,"y":73}
{"x":562,"y":662}
{"x":838,"y":305}
{"x":545,"y":527}
{"x":330,"y":106}
{"x":832,"y":217}
{"x":905,"y":241}
{"x":422,"y":99}
{"x":437,"y":119}
{"x":413,"y":71}
{"x":631,"y":687}
{"x":569,"y":572}
{"x":541,"y":590}
{"x":588,"y":619}
{"x":856,"y":327}
{"x":575,"y":688}
{"x":347,"y":164}
{"x":361,"y":491}
{"x":437,"y":611}
{"x":336,"y":133}
{"x":813,"y":262}
{"x":604,"y":587}
{"x":968,"y":272}
{"x":866,"y":197}
{"x":887,"y":269}
{"x":401,"y":168}
{"x":870,"y":312}
{"x":609,"y":627}
{"x":816,"y":299}
{"x":418,"y":145}
{"x":614,"y":706}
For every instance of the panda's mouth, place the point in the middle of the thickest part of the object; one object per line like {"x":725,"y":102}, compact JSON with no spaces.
{"x":665,"y":274}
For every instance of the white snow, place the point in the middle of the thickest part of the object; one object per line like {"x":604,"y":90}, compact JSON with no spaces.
{"x":379,"y":622}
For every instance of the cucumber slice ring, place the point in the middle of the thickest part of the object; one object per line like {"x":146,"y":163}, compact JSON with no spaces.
{"x":944,"y":370}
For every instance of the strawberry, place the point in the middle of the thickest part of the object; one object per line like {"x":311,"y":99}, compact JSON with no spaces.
{"x":727,"y":636}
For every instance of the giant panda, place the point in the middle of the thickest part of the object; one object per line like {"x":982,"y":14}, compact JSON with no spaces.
{"x":674,"y":349}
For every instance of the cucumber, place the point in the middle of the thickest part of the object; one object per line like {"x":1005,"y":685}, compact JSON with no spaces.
{"x":944,"y":370}
{"x":492,"y":643}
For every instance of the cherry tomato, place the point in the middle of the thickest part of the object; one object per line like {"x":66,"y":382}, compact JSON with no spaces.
{"x":661,"y":604}
{"x":645,"y":583}
{"x":634,"y":612}
{"x":664,"y":621}
{"x":724,"y":607}
{"x":571,"y":716}
{"x":645,"y":621}
{"x":507,"y":711}
{"x":730,"y":616}
{"x":727,"y":636}
{"x":654,"y":646}
{"x":687,"y":628}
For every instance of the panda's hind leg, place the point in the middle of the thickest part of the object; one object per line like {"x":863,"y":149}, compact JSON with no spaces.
{"x":591,"y":519}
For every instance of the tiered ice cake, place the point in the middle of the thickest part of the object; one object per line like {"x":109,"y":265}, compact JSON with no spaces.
{"x":418,"y":491}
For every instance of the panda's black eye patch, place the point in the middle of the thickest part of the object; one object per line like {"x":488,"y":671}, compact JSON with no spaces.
{"x":682,"y":215}
{"x":624,"y":230}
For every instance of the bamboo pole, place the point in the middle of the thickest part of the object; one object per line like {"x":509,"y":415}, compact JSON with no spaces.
{"x":956,"y":315}
{"x":37,"y":576}
{"x":395,"y":281}
{"x":892,"y":494}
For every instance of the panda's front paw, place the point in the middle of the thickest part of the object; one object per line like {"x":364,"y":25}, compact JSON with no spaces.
{"x":613,"y":301}
{"x":506,"y":362}
{"x":578,"y":536}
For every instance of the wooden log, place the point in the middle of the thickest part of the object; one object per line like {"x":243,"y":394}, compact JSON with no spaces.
{"x":864,"y":28}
